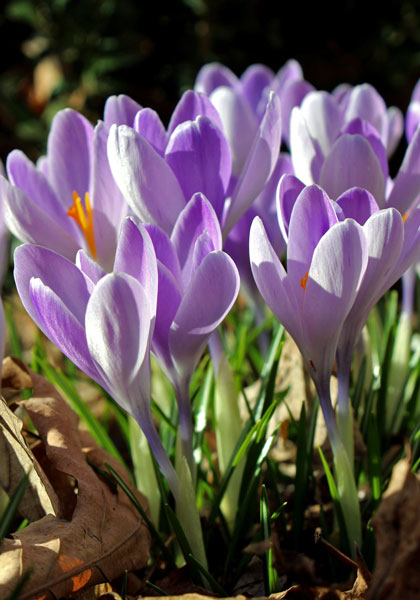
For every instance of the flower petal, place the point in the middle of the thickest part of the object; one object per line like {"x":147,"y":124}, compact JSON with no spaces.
{"x":199,"y":155}
{"x":352,"y":163}
{"x":306,"y":154}
{"x":254,"y":80}
{"x":357,"y":204}
{"x":260,"y":164}
{"x":23,"y":174}
{"x":146,"y":181}
{"x":118,"y":329}
{"x":120,"y":110}
{"x":56,"y":272}
{"x":406,"y":189}
{"x":272,"y":281}
{"x":136,"y":256}
{"x":212,"y":76}
{"x":323,"y":119}
{"x":288,"y":190}
{"x":70,"y":144}
{"x":206,"y":302}
{"x":337,"y":267}
{"x":192,"y":105}
{"x":148,"y":124}
{"x":30,"y":223}
{"x":312,"y":216}
{"x":239,"y":124}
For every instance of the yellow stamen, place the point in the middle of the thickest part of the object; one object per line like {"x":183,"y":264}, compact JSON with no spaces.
{"x":404,"y":217}
{"x":304,"y":281}
{"x":83,"y":215}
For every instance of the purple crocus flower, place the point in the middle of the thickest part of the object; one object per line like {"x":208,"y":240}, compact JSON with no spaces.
{"x":342,"y":145}
{"x":241,"y":101}
{"x":198,"y":284}
{"x":69,"y":200}
{"x":326,"y":261}
{"x":103,"y":322}
{"x":159,"y":171}
{"x":393,"y":245}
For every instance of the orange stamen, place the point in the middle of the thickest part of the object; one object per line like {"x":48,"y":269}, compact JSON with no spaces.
{"x":83,"y":215}
{"x":404,"y":217}
{"x":304,"y":281}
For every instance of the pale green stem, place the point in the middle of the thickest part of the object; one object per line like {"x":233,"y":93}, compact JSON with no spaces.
{"x":344,"y":408}
{"x":144,"y":471}
{"x":344,"y":475}
{"x":182,"y":395}
{"x":186,"y":508}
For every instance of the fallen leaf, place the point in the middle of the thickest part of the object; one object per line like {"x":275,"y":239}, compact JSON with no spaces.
{"x":16,"y":459}
{"x":104,"y":535}
{"x":397,"y":529}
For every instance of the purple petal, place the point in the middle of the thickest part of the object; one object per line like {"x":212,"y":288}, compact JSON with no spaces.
{"x":410,"y":252}
{"x":191,"y":106}
{"x":306,"y":154}
{"x":352,"y":163}
{"x":198,"y":217}
{"x":108,"y":203}
{"x":31,"y":224}
{"x":120,"y":110}
{"x":288,"y":190}
{"x":323,"y":119}
{"x":56,"y":272}
{"x":368,"y":131}
{"x":136,"y":256}
{"x":239,"y":124}
{"x":384,"y":232}
{"x":70,"y":145}
{"x":23,"y":174}
{"x":212,"y":76}
{"x":338,"y":264}
{"x":406,"y":189}
{"x":165,"y":250}
{"x":412,"y":120}
{"x":291,"y":96}
{"x":365,"y":103}
{"x":148,"y":124}
{"x":169,"y":299}
{"x":395,"y":129}
{"x":312,"y":216}
{"x":90,"y":268}
{"x":146,"y":181}
{"x":254,"y":79}
{"x":260,"y":164}
{"x":290,"y":71}
{"x":206,"y":302}
{"x":357,"y":204}
{"x":62,"y":327}
{"x":272,"y":281}
{"x":199,"y":155}
{"x":118,"y":329}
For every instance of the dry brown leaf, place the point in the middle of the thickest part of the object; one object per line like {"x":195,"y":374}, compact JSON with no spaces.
{"x":397,"y":528}
{"x":104,"y":536}
{"x":16,"y":459}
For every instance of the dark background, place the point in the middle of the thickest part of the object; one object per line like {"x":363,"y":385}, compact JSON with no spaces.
{"x":57,"y":53}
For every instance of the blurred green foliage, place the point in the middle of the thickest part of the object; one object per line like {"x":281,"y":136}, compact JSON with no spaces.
{"x":57,"y":53}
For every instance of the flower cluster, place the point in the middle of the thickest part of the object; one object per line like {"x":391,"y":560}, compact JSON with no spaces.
{"x":137,"y":236}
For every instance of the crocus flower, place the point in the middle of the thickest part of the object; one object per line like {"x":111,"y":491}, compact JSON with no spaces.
{"x":69,"y":200}
{"x":241,"y":101}
{"x":326,"y":261}
{"x":103,"y":322}
{"x":198,"y":284}
{"x":340,"y":147}
{"x":158,"y":172}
